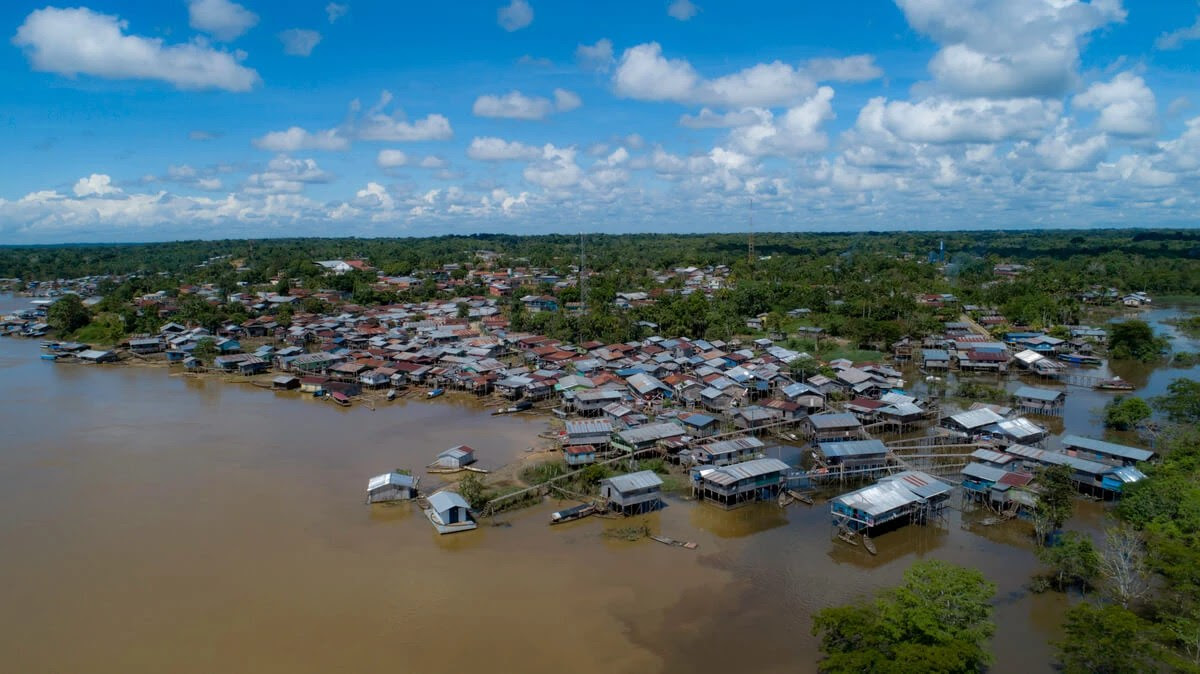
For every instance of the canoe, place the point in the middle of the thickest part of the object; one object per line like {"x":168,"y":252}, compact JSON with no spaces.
{"x":574,"y":513}
{"x":435,"y":393}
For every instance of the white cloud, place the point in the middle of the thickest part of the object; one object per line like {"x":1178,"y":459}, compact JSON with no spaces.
{"x":597,"y":56}
{"x":222,"y":19}
{"x":432,"y":162}
{"x":516,"y":105}
{"x":1060,"y":151}
{"x":1176,"y":38}
{"x":498,"y":149}
{"x":1127,"y":106}
{"x":79,"y":41}
{"x":972,"y":120}
{"x":708,"y":119}
{"x":1183,"y":153}
{"x":377,"y":124}
{"x":645,"y":74}
{"x":797,"y":131}
{"x":858,"y":68}
{"x":565,"y":101}
{"x":286,"y":175}
{"x":95,"y":185}
{"x":1178,"y":105}
{"x":295,"y":139}
{"x":299,"y":41}
{"x":515,"y":15}
{"x":391,"y":159}
{"x":1009,"y":48}
{"x":336,"y":11}
{"x":682,"y":9}
{"x":374,"y":196}
{"x":556,"y":169}
{"x":1135,"y":169}
{"x":209,"y":184}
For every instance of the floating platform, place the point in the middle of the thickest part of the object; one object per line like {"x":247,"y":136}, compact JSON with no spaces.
{"x":679,"y":544}
{"x":454,"y":528}
{"x":1114,"y":384}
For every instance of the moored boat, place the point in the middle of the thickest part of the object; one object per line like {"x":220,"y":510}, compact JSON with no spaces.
{"x":391,"y":395}
{"x":435,"y":393}
{"x":340,"y":398}
{"x":573,"y":513}
{"x":1080,"y":359}
{"x":1114,"y":384}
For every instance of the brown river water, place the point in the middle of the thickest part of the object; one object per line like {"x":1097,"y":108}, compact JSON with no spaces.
{"x":155,"y":523}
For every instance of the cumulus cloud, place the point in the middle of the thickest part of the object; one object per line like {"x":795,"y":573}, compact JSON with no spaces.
{"x":336,"y":11}
{"x":797,"y":131}
{"x":1009,"y":49}
{"x":555,"y":170}
{"x":708,"y":119}
{"x":1062,"y":151}
{"x":299,"y":41}
{"x":296,"y":138}
{"x":858,"y":68}
{"x":374,"y":196}
{"x":597,"y":56}
{"x":378,"y":124}
{"x":973,"y":120}
{"x":682,"y":10}
{"x":391,"y":159}
{"x":645,"y":74}
{"x":79,"y":41}
{"x":1127,"y":106}
{"x":516,"y":105}
{"x":515,"y":15}
{"x":221,"y":19}
{"x":286,"y":175}
{"x":433,"y":162}
{"x":497,"y":149}
{"x":95,"y":185}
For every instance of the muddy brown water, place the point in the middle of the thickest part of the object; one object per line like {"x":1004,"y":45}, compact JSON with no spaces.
{"x":158,"y":523}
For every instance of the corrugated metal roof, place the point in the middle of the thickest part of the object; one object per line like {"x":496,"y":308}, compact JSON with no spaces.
{"x":972,"y":419}
{"x":445,"y":500}
{"x":732,"y":445}
{"x":990,"y":456}
{"x":979,"y":471}
{"x":728,"y":475}
{"x":923,"y":485}
{"x":643,"y":479}
{"x":600,"y":427}
{"x":878,"y":498}
{"x":395,"y":479}
{"x":1108,"y":448}
{"x":651,"y":433}
{"x":1019,"y":428}
{"x":836,"y":420}
{"x":853,"y":448}
{"x":1042,"y":394}
{"x":1058,"y":459}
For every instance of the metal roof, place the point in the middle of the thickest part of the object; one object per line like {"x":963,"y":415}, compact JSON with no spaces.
{"x":728,"y":475}
{"x":600,"y":427}
{"x":991,"y":457}
{"x":395,"y":479}
{"x":853,"y":448}
{"x":456,"y":452}
{"x":643,"y":479}
{"x":1019,"y":428}
{"x":834,"y":420}
{"x":1034,"y":393}
{"x":1107,"y":448}
{"x":979,"y":471}
{"x":1058,"y":459}
{"x":878,"y":499}
{"x":1128,"y":474}
{"x":976,"y":418}
{"x":731,"y":446}
{"x":651,"y":433}
{"x":922,"y":484}
{"x":446,"y":500}
{"x":935,"y":354}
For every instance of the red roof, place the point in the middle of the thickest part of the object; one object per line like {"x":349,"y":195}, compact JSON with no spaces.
{"x":579,"y":449}
{"x":1015,"y":479}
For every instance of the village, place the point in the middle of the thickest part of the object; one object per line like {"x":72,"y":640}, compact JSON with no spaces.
{"x":719,"y":415}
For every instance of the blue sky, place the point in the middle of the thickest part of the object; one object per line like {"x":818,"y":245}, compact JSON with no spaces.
{"x":135,"y":121}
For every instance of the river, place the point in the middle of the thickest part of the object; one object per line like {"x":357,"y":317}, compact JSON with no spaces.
{"x":156,"y":522}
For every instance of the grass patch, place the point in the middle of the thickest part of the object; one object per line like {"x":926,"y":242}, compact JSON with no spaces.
{"x":633,"y":533}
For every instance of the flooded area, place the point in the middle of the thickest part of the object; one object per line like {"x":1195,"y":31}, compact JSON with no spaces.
{"x":160,"y":523}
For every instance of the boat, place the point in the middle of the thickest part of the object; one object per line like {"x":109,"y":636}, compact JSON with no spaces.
{"x":1080,"y":359}
{"x":869,"y":544}
{"x":340,"y":398}
{"x":50,"y":356}
{"x":435,"y":393}
{"x":671,"y":541}
{"x":522,"y":406}
{"x":449,"y":513}
{"x":573,"y":513}
{"x":391,"y":395}
{"x":1114,"y":384}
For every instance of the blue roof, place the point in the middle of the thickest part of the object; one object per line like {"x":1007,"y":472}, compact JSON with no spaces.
{"x":1107,"y":448}
{"x":853,"y":448}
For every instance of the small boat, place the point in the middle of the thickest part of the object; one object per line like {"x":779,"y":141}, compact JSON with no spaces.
{"x":391,"y":395}
{"x":522,"y":406}
{"x":574,"y":513}
{"x":435,"y":393}
{"x":340,"y":398}
{"x":50,"y":356}
{"x":869,"y":544}
{"x":1080,"y":359}
{"x":1114,"y":384}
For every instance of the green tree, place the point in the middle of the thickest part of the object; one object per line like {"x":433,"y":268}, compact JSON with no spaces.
{"x":283,"y":287}
{"x":206,"y":350}
{"x":936,"y":621}
{"x":1104,"y":640}
{"x":1055,"y":501}
{"x":283,"y":315}
{"x":1181,"y":403}
{"x":1134,"y":340}
{"x":472,"y":490}
{"x":68,"y":314}
{"x":463,"y":310}
{"x":1073,"y":561}
{"x":1124,"y":413}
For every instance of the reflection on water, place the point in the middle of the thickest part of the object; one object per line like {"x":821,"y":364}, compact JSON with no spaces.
{"x":165,"y":523}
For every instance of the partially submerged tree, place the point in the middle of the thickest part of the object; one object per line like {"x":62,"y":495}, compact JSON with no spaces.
{"x":937,"y":621}
{"x":1123,"y":564}
{"x":1073,"y":561}
{"x":1124,"y":413}
{"x":1104,"y":640}
{"x":1134,"y":340}
{"x":1055,"y":501}
{"x":1181,"y":402}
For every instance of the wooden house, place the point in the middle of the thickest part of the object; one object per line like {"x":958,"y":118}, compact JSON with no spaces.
{"x":725,"y":452}
{"x":394,"y":486}
{"x":633,"y":493}
{"x":595,"y":433}
{"x":908,"y":497}
{"x":449,"y":513}
{"x":833,"y":426}
{"x":1033,"y":400}
{"x":740,"y":483}
{"x":645,"y":437}
{"x":459,"y":456}
{"x":1105,"y":452}
{"x":285,"y":383}
{"x":854,"y":454}
{"x":579,"y":455}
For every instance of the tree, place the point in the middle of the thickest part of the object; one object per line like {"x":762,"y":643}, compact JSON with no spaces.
{"x":936,"y":621}
{"x":463,"y":310}
{"x":1073,"y":559}
{"x":283,"y":287}
{"x":68,"y":314}
{"x":206,"y":350}
{"x":1105,"y":640}
{"x":1123,"y":564}
{"x":1055,"y":501}
{"x":473,"y":492}
{"x":1134,"y":340}
{"x":1181,"y":403}
{"x":1124,"y":413}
